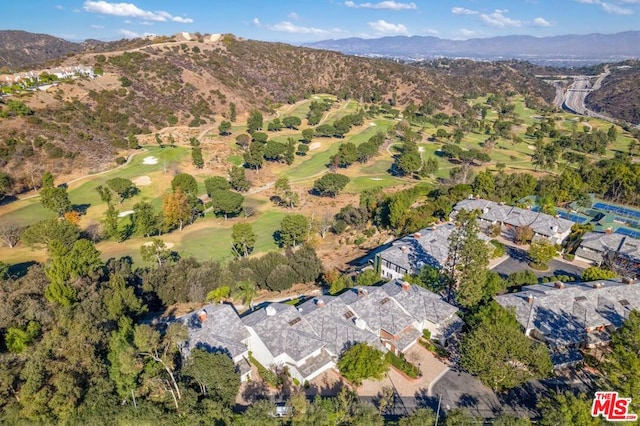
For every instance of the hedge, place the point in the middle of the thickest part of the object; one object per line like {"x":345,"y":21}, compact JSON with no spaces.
{"x":403,"y":365}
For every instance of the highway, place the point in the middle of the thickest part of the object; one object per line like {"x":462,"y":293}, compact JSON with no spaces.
{"x":575,"y":95}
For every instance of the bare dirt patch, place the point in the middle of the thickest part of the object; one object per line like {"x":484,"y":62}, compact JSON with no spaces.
{"x":142,"y":181}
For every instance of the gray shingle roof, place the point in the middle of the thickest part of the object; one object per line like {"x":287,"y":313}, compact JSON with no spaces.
{"x":602,"y":242}
{"x":221,"y":331}
{"x":429,"y":246}
{"x":563,"y":315}
{"x":420,"y":302}
{"x":286,"y":332}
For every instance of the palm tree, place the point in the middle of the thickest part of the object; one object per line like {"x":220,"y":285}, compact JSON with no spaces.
{"x":247,"y":291}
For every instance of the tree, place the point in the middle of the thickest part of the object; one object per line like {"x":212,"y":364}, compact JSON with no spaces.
{"x":281,"y":278}
{"x":254,"y":157}
{"x":302,"y":150}
{"x":155,"y":250}
{"x":523,"y":234}
{"x":246,"y":291}
{"x":196,"y":157}
{"x":215,"y":374}
{"x":185,"y":183}
{"x":499,"y":354}
{"x":45,"y":232}
{"x":409,"y":162}
{"x":6,"y":184}
{"x":291,"y":122}
{"x":360,"y":362}
{"x":238,"y":179}
{"x":541,"y":252}
{"x":593,"y":273}
{"x":144,"y":219}
{"x":125,"y":188}
{"x":330,"y":184}
{"x":467,"y":261}
{"x":176,"y":209}
{"x":226,"y":202}
{"x":567,"y":409}
{"x":284,"y":192}
{"x":254,"y":122}
{"x":275,"y":125}
{"x":243,"y":140}
{"x":306,"y":263}
{"x":308,"y":134}
{"x":10,"y":233}
{"x":224,"y":128}
{"x":110,"y":221}
{"x":232,"y":112}
{"x":243,"y":239}
{"x":55,"y":199}
{"x":216,"y":183}
{"x":294,"y":230}
{"x":420,"y":417}
{"x":347,"y":154}
{"x":274,"y":151}
{"x":622,"y":365}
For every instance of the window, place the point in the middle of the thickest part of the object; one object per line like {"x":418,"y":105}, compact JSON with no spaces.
{"x":348,"y":315}
{"x":385,"y":300}
{"x":295,"y":321}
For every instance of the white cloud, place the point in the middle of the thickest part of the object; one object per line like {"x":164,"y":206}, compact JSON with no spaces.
{"x":463,"y":11}
{"x":464,"y":33}
{"x":384,"y":27}
{"x":612,"y":7}
{"x":97,"y":27}
{"x":615,"y":9}
{"x":59,"y":7}
{"x":288,"y":27}
{"x":293,"y":16}
{"x":498,"y":19}
{"x":541,"y":22}
{"x":256,"y":22}
{"x":431,"y":31}
{"x":392,"y":5}
{"x":132,"y":11}
{"x":128,"y":33}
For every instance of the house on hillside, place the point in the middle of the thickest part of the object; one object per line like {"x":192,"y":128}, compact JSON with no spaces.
{"x":408,"y":255}
{"x":570,"y":316}
{"x":553,"y":228}
{"x":217,"y":328}
{"x":594,"y":246}
{"x":309,"y":339}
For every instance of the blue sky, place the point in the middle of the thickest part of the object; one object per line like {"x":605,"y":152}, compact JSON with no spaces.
{"x":311,"y":20}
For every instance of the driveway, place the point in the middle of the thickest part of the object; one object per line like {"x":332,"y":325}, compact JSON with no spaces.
{"x":518,"y":261}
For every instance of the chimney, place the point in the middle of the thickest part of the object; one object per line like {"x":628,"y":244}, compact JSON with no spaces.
{"x":319,"y":303}
{"x":597,"y":284}
{"x":608,"y":230}
{"x":417,"y":235}
{"x":404,"y":249}
{"x":627,"y":280}
{"x":202,"y":315}
{"x":362,"y":291}
{"x":530,"y":298}
{"x":406,"y":286}
{"x":270,"y":310}
{"x":558,"y":284}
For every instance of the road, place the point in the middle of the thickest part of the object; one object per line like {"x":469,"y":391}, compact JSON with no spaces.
{"x":574,"y":98}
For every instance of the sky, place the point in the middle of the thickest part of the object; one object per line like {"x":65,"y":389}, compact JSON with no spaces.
{"x":312,"y":20}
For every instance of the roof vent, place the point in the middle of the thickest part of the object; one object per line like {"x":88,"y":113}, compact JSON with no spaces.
{"x":485,"y":210}
{"x":417,"y":235}
{"x":404,"y":249}
{"x":270,"y":310}
{"x":363,"y":292}
{"x":202,"y":315}
{"x":319,"y":303}
{"x":361,"y":324}
{"x":530,"y":298}
{"x":558,"y":284}
{"x":597,"y":284}
{"x":627,"y":280}
{"x":406,"y":286}
{"x":555,"y":228}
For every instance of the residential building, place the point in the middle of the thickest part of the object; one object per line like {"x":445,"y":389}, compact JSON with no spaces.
{"x":594,"y":246}
{"x":217,"y":328}
{"x":553,"y":228}
{"x":309,"y":339}
{"x":408,"y":255}
{"x":568,"y":316}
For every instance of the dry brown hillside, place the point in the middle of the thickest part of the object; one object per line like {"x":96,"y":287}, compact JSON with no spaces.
{"x":168,"y":82}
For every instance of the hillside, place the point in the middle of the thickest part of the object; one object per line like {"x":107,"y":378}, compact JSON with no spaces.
{"x":82,"y":125}
{"x":619,"y":95}
{"x":20,"y":48}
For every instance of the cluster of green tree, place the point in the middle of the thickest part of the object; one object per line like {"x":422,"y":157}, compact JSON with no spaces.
{"x":349,"y":153}
{"x":410,"y":163}
{"x":15,"y":108}
{"x":196,"y":153}
{"x":330,"y":184}
{"x":316,"y":109}
{"x":341,"y":126}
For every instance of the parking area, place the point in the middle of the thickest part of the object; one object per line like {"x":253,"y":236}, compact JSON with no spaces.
{"x":518,"y":261}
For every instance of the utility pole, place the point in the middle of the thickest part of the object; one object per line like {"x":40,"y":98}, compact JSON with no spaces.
{"x":438,"y":412}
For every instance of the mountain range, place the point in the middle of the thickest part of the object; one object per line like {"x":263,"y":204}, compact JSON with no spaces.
{"x":559,"y":50}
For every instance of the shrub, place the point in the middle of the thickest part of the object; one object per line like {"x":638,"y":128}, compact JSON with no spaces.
{"x":267,"y":375}
{"x":120,"y":160}
{"x":426,"y":334}
{"x":499,"y":250}
{"x":403,"y":365}
{"x":569,"y":256}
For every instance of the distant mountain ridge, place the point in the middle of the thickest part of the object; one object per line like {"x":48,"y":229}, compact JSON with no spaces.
{"x":21,"y":48}
{"x":584,"y":48}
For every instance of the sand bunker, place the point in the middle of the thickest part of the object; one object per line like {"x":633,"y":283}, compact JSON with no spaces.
{"x":150,"y":160}
{"x":125,"y":213}
{"x":375,"y":178}
{"x":420,"y":148}
{"x":372,"y":124}
{"x":531,"y":147}
{"x":314,"y":145}
{"x":142,"y":181}
{"x":166,"y":244}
